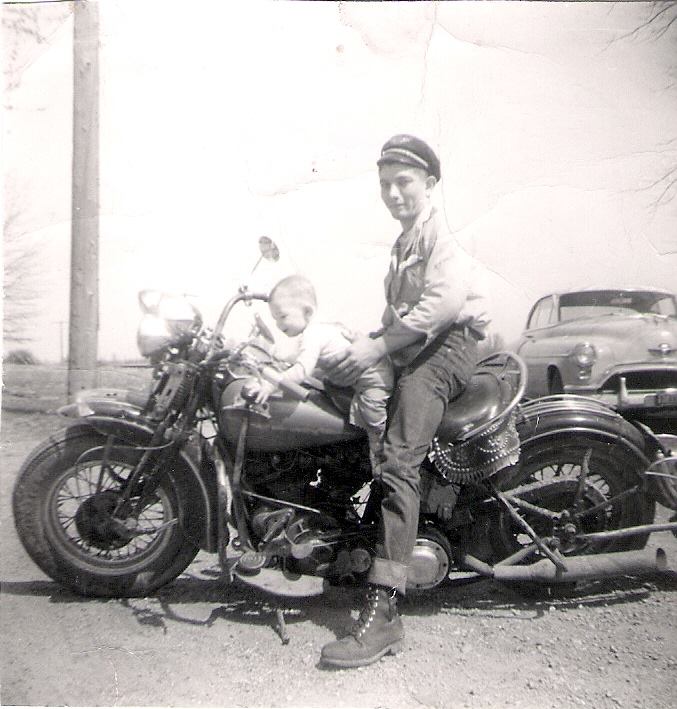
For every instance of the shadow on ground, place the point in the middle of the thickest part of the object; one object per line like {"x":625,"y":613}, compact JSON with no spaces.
{"x":239,"y":603}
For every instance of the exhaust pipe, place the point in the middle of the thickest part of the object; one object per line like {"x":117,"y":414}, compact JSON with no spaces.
{"x":579,"y":568}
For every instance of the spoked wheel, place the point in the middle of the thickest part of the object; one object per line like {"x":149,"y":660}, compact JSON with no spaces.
{"x":592,"y":489}
{"x":82,"y":520}
{"x":71,"y":519}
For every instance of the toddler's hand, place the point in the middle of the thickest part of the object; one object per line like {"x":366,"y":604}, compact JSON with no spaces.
{"x":263,"y":391}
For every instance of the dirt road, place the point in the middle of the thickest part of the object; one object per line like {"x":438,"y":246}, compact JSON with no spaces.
{"x":202,"y":643}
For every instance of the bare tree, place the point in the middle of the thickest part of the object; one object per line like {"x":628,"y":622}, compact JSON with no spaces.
{"x":26,"y":31}
{"x":19,"y":274}
{"x":661,"y":19}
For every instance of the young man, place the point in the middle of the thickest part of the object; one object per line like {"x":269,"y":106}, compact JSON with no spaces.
{"x":431,"y":326}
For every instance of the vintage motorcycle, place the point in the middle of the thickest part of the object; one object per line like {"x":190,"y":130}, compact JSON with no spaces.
{"x":119,"y":502}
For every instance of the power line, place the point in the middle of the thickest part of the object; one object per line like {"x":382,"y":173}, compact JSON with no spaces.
{"x":36,"y":2}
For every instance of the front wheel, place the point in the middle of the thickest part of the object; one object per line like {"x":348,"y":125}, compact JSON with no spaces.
{"x":68,"y":517}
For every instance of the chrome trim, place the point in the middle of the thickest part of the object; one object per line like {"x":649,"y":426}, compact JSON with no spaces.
{"x":281,"y":503}
{"x":663,"y":350}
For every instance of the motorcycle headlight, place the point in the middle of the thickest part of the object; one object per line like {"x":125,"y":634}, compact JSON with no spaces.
{"x":584,"y":354}
{"x":166,"y":319}
{"x":153,"y":335}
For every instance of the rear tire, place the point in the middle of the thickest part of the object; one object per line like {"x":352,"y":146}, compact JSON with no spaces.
{"x":556,"y":465}
{"x":62,"y":515}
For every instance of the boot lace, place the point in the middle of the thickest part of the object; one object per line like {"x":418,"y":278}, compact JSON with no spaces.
{"x":367,"y":614}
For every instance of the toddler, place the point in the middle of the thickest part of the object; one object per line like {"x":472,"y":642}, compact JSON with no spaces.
{"x":293,"y":305}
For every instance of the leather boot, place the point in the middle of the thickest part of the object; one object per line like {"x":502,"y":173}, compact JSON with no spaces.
{"x":377,"y":632}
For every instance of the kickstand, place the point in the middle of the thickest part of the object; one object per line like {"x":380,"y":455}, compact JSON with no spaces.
{"x":281,"y":626}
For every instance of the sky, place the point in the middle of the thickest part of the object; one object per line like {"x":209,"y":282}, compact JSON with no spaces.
{"x":553,"y":122}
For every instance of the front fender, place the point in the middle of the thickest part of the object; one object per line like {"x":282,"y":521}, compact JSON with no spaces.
{"x":119,"y":403}
{"x":118,"y":412}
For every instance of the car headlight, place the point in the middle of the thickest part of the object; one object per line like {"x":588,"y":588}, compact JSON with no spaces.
{"x":584,"y":354}
{"x":166,"y":319}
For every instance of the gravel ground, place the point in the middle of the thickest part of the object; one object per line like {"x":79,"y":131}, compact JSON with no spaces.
{"x":200,"y":642}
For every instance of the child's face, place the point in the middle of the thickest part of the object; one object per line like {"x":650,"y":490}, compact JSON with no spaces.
{"x":289,"y":316}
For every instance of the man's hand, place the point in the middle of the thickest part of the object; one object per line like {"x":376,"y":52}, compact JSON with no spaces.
{"x":345,"y":369}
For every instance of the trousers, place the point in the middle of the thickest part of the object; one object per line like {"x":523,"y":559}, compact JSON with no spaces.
{"x":422,"y":392}
{"x":369,"y":406}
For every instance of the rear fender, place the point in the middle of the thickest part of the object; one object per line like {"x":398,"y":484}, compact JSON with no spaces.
{"x":113,"y":412}
{"x":568,"y":415}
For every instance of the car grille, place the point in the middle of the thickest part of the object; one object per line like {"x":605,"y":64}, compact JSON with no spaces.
{"x":648,"y":380}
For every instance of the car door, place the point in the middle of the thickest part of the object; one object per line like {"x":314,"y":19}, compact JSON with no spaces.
{"x":535,"y":345}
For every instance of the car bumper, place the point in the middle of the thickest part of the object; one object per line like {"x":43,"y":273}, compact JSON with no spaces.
{"x":660,"y":401}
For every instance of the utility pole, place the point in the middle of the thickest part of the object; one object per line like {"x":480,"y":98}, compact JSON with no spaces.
{"x":61,"y":323}
{"x":84,"y":300}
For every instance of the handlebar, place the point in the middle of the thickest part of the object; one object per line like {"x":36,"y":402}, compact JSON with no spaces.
{"x":245,"y":295}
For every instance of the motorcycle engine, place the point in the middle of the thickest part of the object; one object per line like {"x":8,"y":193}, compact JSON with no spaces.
{"x":324,"y":478}
{"x":309,"y":543}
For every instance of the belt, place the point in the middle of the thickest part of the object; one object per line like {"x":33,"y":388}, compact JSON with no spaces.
{"x":467,"y":330}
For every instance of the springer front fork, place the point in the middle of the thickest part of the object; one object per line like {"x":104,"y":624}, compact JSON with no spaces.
{"x":138,"y":489}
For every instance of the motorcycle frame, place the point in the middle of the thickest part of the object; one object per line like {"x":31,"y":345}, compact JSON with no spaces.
{"x":217,"y":471}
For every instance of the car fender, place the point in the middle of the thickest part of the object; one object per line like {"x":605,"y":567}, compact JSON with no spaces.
{"x":595,"y":375}
{"x":119,"y":413}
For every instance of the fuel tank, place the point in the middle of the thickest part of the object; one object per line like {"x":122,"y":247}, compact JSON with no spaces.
{"x":285,"y":424}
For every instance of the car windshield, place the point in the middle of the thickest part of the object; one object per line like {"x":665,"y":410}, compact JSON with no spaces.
{"x":587,"y":304}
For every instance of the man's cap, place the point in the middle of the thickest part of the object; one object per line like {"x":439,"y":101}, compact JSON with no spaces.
{"x":410,"y":150}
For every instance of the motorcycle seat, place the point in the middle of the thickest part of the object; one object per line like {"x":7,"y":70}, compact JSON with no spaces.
{"x":481,"y":400}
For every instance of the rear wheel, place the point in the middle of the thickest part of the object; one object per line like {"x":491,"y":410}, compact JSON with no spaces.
{"x":64,"y":504}
{"x":551,"y":472}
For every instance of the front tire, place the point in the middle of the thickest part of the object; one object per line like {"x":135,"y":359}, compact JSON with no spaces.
{"x":62,"y":503}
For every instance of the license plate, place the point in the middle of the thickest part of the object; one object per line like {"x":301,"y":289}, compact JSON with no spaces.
{"x":666,"y":398}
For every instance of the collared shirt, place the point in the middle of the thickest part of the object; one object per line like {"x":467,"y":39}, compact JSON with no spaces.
{"x":430,"y":286}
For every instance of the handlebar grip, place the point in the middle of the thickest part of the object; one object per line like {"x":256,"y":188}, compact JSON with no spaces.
{"x":257,"y":296}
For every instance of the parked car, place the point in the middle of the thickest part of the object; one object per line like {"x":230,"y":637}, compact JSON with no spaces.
{"x":619,"y":346}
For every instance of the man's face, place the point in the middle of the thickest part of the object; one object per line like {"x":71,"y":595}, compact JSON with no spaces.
{"x":405,"y":190}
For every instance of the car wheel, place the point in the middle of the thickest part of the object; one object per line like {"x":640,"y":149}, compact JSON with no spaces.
{"x":555,"y":385}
